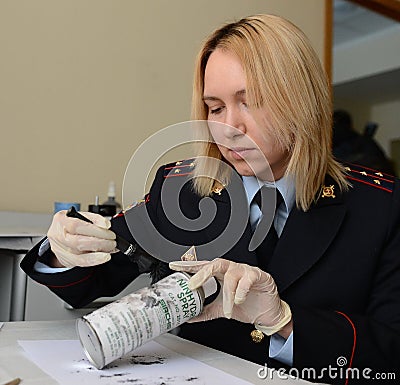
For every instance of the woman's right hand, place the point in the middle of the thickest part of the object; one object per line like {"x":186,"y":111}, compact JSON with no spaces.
{"x":78,"y":243}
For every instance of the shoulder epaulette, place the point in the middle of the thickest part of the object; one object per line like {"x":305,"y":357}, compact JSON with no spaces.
{"x":180,"y":168}
{"x":370,"y":177}
{"x":137,"y":203}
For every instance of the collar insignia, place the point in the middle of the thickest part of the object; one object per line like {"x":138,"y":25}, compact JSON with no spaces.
{"x":328,"y":191}
{"x":217,"y":188}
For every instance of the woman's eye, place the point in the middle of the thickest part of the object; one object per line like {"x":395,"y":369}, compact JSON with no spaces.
{"x":215,"y":111}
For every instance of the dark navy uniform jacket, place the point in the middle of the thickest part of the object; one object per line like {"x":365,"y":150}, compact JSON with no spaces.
{"x":337,"y":266}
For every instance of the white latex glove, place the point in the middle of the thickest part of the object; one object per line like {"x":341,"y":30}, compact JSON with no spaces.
{"x":78,"y":243}
{"x":248,"y":294}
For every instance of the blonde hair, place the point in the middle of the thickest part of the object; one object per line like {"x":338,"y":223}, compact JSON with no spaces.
{"x":284,"y":75}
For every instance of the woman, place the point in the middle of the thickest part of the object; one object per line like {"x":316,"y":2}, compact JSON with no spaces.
{"x":328,"y":293}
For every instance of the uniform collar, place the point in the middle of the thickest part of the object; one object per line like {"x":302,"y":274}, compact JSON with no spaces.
{"x":285,"y":186}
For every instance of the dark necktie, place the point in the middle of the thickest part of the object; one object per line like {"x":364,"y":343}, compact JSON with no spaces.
{"x":265,"y":250}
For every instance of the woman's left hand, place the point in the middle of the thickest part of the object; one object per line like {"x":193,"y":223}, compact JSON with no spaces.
{"x":248,"y":294}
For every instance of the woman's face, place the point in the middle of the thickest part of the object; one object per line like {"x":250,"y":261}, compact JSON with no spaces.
{"x":244,"y":142}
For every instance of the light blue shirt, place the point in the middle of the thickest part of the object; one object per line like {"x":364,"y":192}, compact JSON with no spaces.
{"x":287,"y":190}
{"x":41,"y":267}
{"x":279,"y":348}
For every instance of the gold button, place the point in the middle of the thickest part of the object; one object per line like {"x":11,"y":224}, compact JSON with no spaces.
{"x":257,"y":336}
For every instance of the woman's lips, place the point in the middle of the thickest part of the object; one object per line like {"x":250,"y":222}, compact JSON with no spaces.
{"x":239,"y":153}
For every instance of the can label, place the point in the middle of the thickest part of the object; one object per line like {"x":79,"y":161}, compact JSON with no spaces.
{"x":129,"y":322}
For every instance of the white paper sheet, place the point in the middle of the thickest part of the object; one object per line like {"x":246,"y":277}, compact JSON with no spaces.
{"x":5,"y":376}
{"x":150,"y":364}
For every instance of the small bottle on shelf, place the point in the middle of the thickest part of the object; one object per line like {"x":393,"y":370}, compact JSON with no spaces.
{"x":111,"y":197}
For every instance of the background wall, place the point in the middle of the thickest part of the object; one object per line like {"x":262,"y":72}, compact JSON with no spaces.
{"x":366,"y":73}
{"x":84,"y":82}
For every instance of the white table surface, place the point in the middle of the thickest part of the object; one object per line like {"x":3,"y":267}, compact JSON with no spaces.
{"x":14,"y":363}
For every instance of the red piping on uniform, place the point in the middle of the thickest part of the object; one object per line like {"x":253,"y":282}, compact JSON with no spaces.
{"x":172,"y":175}
{"x":371,"y":184}
{"x":354,"y":340}
{"x":178,"y":166}
{"x":373,"y":176}
{"x":371,"y":169}
{"x":72,"y":283}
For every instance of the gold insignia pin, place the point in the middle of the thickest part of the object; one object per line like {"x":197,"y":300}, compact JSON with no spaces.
{"x":379,"y":174}
{"x":217,"y":188}
{"x":257,"y":336}
{"x":377,"y":181}
{"x":177,"y":171}
{"x":191,"y":164}
{"x":328,"y":191}
{"x":347,"y":168}
{"x":178,"y":163}
{"x":363,"y":173}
